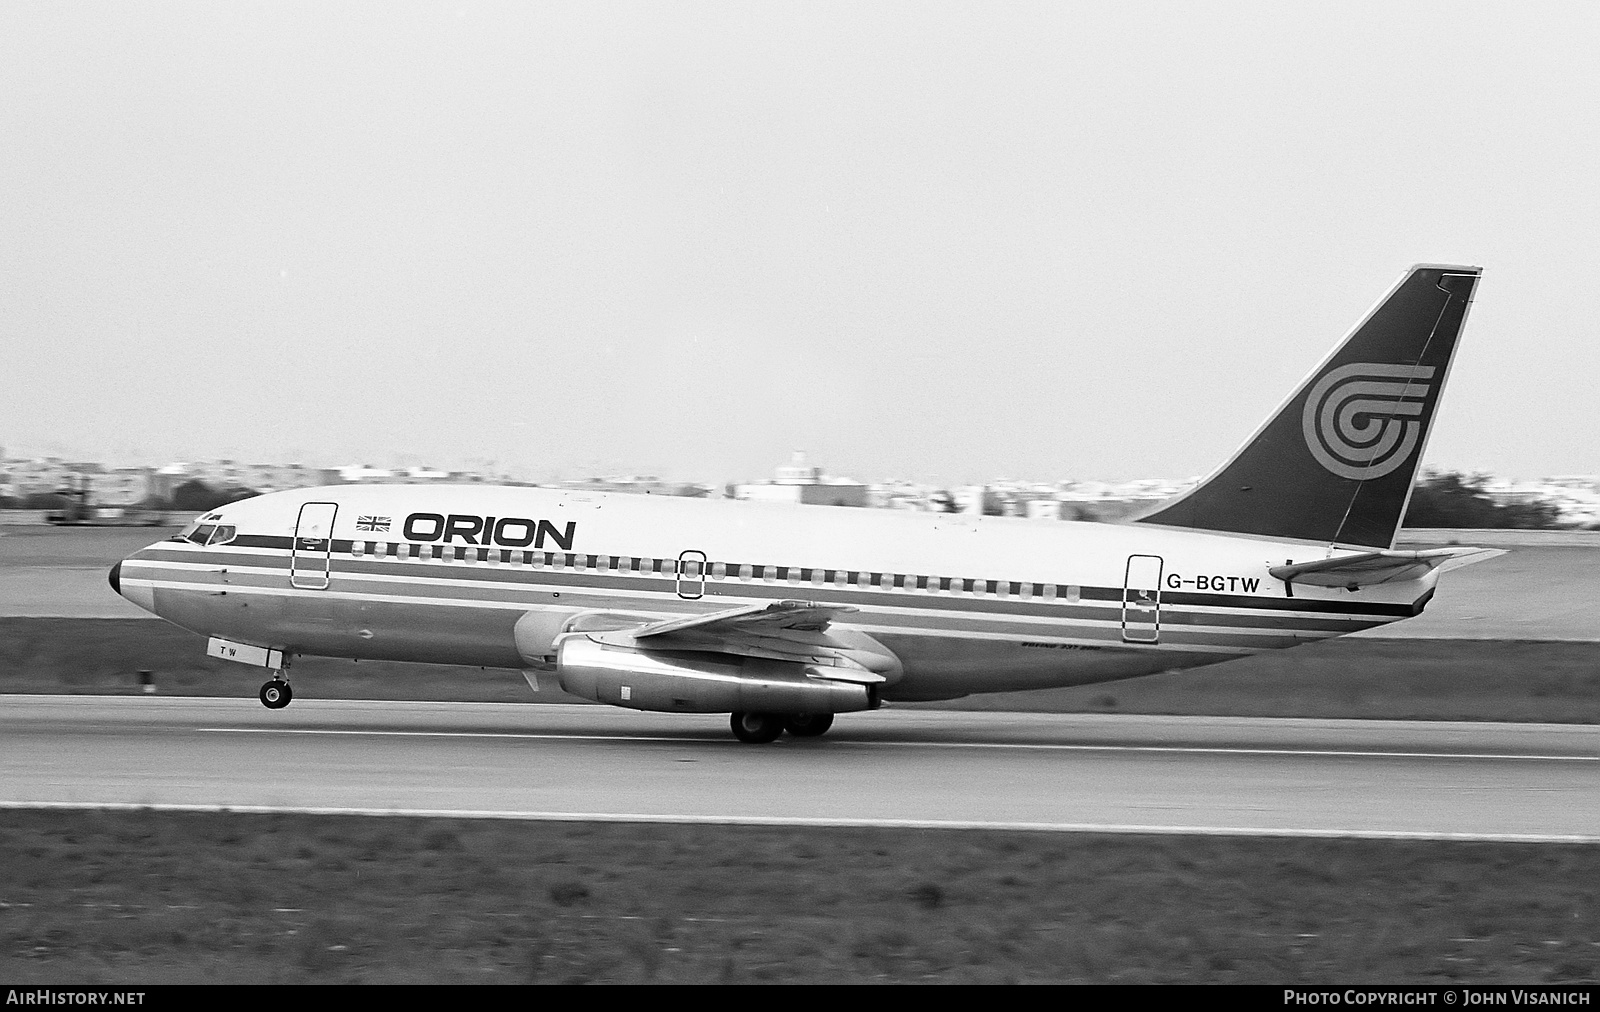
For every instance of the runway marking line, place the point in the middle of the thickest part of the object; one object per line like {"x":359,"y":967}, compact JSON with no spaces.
{"x":823,"y":823}
{"x":1180,"y":749}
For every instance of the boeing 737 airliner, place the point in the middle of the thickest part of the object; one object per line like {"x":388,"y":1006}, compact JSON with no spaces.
{"x":784,"y":616}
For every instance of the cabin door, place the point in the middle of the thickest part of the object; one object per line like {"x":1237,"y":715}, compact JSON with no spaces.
{"x":1141,"y":600}
{"x":313,"y":544}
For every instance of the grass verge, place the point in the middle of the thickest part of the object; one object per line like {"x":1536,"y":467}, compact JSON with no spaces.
{"x":1556,"y":682}
{"x":149,"y":897}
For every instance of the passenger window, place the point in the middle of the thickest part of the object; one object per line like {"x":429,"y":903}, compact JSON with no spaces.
{"x":719,"y":570}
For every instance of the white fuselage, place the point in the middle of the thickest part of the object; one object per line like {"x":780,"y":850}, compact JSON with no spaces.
{"x":967,"y":604}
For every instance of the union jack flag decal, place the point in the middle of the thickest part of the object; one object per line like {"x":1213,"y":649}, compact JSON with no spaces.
{"x":372,"y":523}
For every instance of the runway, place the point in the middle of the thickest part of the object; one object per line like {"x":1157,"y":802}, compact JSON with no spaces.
{"x":1079,"y":772}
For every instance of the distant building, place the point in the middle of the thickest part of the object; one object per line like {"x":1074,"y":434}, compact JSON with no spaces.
{"x":121,"y":486}
{"x":1049,"y":509}
{"x":978,"y":501}
{"x":639,"y":484}
{"x":43,"y":475}
{"x":358,"y":474}
{"x":800,"y":482}
{"x":424,"y":475}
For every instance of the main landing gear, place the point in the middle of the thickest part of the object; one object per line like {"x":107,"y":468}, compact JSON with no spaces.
{"x":760,"y":728}
{"x":276,"y":694}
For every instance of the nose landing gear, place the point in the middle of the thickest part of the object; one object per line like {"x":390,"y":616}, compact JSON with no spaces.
{"x":276,"y":694}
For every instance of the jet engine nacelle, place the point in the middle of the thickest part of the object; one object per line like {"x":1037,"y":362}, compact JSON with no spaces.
{"x":538,"y":631}
{"x":685,"y":682}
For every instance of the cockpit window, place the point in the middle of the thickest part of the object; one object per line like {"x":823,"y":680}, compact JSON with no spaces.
{"x":206,"y":534}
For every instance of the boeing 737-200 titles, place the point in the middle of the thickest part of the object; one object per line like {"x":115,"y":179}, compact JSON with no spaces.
{"x":784,"y":616}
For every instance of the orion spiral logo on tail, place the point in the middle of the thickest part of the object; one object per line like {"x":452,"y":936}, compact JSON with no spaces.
{"x":1364,"y":420}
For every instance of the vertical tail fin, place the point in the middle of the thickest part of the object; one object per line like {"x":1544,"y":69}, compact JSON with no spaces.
{"x":1337,"y":461}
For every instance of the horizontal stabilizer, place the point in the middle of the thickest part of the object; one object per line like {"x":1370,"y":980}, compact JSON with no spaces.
{"x":1368,"y":569}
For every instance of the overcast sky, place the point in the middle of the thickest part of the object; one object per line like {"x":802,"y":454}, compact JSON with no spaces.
{"x":944,"y":242}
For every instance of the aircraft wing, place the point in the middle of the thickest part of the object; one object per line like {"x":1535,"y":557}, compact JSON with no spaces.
{"x":1368,"y":569}
{"x":797,"y":615}
{"x":782,"y":631}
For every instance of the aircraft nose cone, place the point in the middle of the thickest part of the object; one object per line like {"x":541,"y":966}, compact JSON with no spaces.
{"x":115,"y":578}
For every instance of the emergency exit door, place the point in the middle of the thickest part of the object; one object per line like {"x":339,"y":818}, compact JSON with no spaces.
{"x":692,"y":575}
{"x":313,"y":545}
{"x":1141,"y":599}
